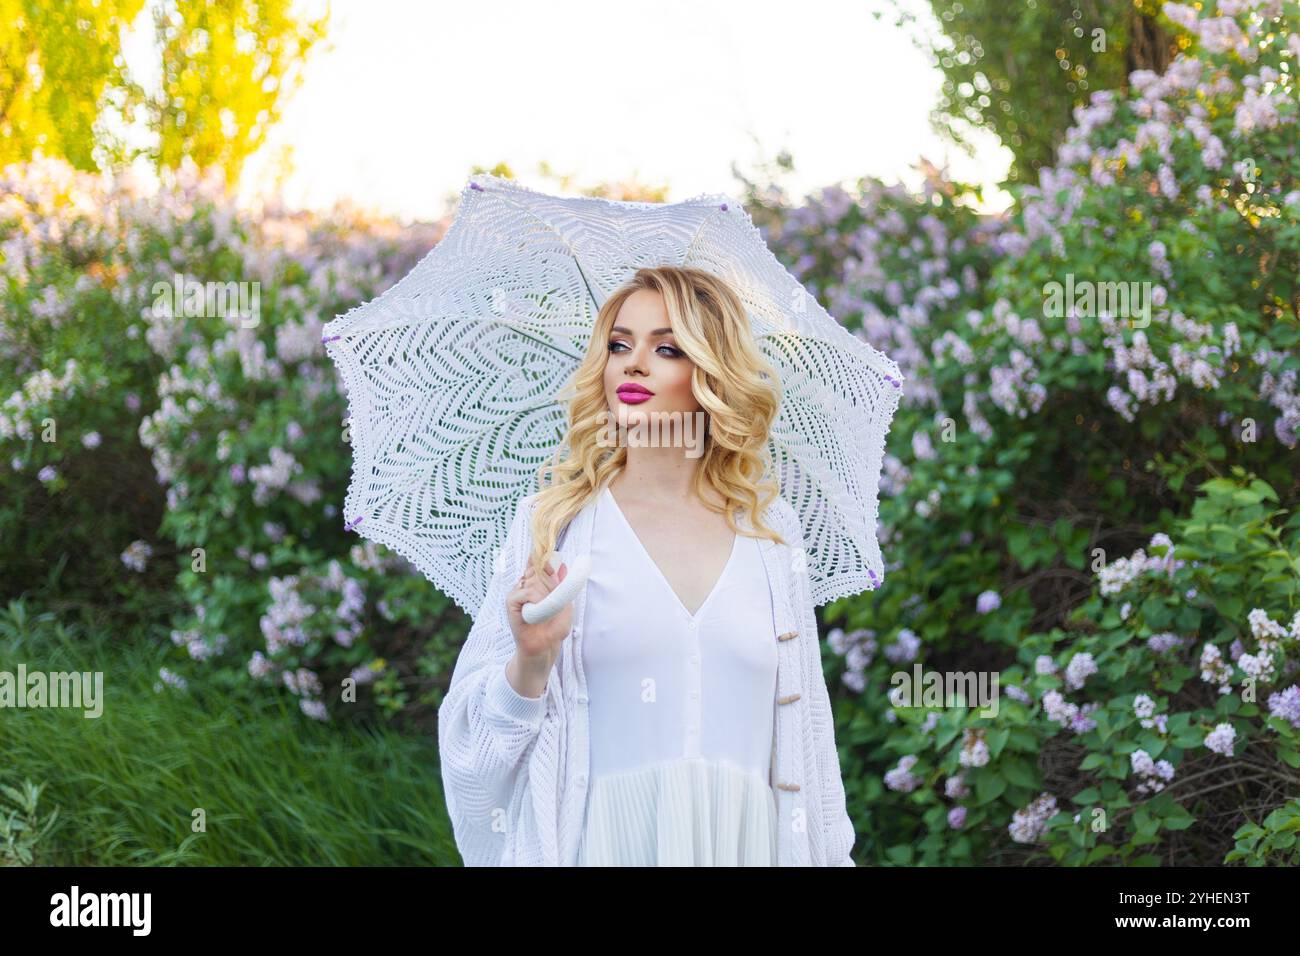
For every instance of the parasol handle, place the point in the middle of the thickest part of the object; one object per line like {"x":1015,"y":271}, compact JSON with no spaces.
{"x":564,"y":592}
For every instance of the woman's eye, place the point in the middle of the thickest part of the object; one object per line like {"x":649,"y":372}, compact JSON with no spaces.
{"x":620,"y":346}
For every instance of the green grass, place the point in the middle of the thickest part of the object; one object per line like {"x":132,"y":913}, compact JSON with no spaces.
{"x":277,"y":788}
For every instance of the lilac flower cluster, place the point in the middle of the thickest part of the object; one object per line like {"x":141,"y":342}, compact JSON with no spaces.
{"x":1120,"y":573}
{"x":1214,"y":670}
{"x":289,"y":621}
{"x":1017,"y":693}
{"x":955,"y":788}
{"x":194,"y":643}
{"x":1261,"y":666}
{"x":170,"y":679}
{"x":275,"y":476}
{"x":901,"y":778}
{"x":1145,"y":709}
{"x":858,"y":648}
{"x":904,"y":648}
{"x":1153,"y":775}
{"x":1081,"y":667}
{"x":974,"y":749}
{"x":299,"y":612}
{"x":137,"y":555}
{"x":1027,"y":824}
{"x":1221,"y":739}
{"x":1067,"y":714}
{"x":35,"y":396}
{"x":1268,"y":634}
{"x":1285,"y":704}
{"x":1165,"y":641}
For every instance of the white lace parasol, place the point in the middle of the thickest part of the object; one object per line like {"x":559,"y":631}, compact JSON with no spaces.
{"x":451,"y":376}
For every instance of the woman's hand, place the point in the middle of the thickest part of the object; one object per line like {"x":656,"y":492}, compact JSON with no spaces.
{"x":537,"y":646}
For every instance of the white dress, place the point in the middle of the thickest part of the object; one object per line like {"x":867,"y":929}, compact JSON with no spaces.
{"x":681,"y":708}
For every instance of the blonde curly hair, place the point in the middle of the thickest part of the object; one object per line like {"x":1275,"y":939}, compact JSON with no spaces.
{"x":737,"y":388}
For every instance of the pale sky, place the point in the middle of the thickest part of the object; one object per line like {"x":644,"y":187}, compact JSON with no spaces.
{"x":407,"y":95}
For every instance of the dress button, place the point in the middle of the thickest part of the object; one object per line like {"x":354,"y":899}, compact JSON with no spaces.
{"x":691,"y":625}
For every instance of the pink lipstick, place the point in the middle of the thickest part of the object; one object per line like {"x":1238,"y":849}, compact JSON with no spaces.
{"x":634,"y":394}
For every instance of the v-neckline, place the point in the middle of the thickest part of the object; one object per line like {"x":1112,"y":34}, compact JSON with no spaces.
{"x":693,"y":618}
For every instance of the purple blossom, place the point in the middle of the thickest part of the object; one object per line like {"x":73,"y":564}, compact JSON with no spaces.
{"x":1221,"y":739}
{"x":1286,"y":705}
{"x":1028,"y":823}
{"x":901,"y":778}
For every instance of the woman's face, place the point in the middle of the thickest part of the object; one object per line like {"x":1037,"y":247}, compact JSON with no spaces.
{"x":644,"y":358}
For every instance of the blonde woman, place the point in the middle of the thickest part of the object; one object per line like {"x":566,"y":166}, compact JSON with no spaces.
{"x":675,"y":713}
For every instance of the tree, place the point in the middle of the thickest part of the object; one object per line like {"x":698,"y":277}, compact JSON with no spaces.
{"x":1019,"y":69}
{"x":227,"y":67}
{"x":60,"y":63}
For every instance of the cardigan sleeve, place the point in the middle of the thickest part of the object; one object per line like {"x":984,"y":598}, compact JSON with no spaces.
{"x":485,"y":727}
{"x":837,"y":827}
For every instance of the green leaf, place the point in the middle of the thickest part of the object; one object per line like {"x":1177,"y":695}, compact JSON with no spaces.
{"x":1179,"y":819}
{"x":1020,"y":772}
{"x":988,"y":787}
{"x":1093,"y":761}
{"x":1099,"y":853}
{"x":1143,"y":823}
{"x":901,"y":854}
{"x":996,"y":739}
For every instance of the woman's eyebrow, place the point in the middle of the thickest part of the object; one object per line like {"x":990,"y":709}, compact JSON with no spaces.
{"x":619,"y":328}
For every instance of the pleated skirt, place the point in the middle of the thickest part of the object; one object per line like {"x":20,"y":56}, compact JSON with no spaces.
{"x":688,"y":812}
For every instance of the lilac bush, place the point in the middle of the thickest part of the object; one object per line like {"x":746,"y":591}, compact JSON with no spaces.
{"x":1054,"y":437}
{"x":221,"y":428}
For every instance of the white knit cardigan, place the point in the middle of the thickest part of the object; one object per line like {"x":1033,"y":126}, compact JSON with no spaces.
{"x":515,"y":769}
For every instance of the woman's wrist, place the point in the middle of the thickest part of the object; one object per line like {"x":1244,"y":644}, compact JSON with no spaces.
{"x":528,"y":675}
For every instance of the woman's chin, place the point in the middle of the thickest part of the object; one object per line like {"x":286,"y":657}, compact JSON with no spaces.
{"x":634,"y":413}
